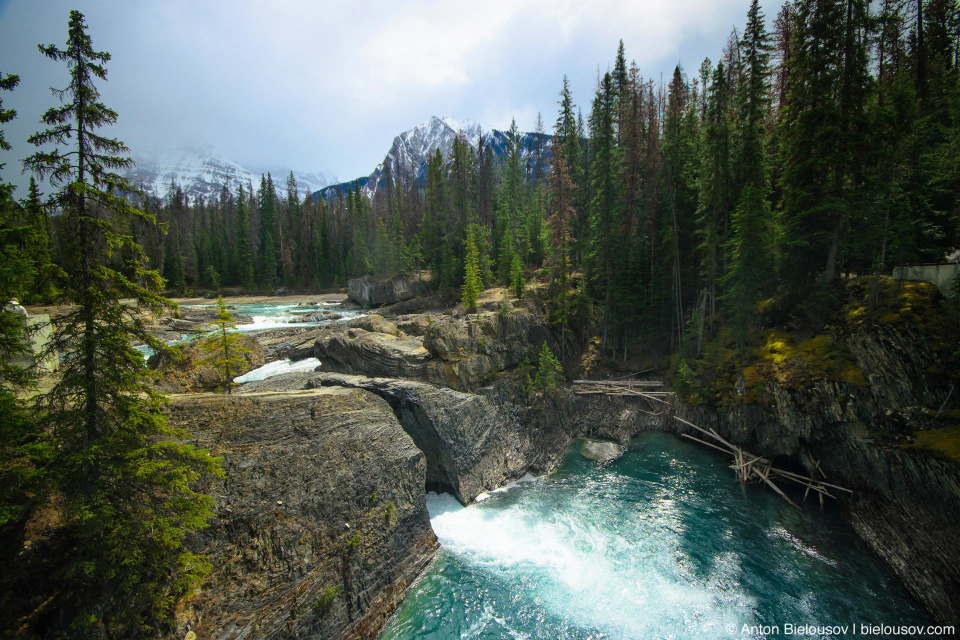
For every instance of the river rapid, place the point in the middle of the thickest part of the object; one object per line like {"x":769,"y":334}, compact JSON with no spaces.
{"x":662,"y":543}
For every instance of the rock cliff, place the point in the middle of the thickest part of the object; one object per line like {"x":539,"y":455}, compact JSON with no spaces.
{"x":471,"y":444}
{"x":320,"y":523}
{"x":439,"y":382}
{"x":462,"y":353}
{"x":906,"y":501}
{"x":474,"y":442}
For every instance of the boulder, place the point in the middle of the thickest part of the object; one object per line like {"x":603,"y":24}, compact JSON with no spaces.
{"x":374,"y":323}
{"x":318,"y":316}
{"x":374,"y":292}
{"x":600,"y":450}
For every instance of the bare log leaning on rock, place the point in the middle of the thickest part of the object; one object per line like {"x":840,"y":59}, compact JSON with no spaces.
{"x":749,"y":467}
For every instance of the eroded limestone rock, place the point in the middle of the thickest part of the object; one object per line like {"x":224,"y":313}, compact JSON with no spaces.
{"x":320,"y":524}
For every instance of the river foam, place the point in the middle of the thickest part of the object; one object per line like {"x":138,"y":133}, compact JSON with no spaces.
{"x":663,"y":543}
{"x":277,"y":368}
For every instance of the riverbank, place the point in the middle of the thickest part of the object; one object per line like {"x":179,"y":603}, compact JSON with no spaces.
{"x":456,"y":385}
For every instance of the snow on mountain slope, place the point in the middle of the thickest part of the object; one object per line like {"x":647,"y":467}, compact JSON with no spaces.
{"x":411,"y":150}
{"x":200,"y":171}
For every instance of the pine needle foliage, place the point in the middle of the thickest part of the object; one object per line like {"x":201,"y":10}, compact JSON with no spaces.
{"x":21,"y":450}
{"x":223,"y":349}
{"x":549,"y":372}
{"x":472,"y":282}
{"x":122,"y":473}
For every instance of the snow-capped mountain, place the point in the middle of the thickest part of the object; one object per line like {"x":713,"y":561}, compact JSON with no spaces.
{"x":410,"y":151}
{"x":200,"y":171}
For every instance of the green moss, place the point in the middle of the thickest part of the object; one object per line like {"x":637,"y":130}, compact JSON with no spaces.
{"x":819,"y":345}
{"x":855,"y":376}
{"x":944,"y":441}
{"x":327,"y":597}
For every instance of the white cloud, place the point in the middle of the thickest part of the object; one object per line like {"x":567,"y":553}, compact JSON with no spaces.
{"x":328,"y":84}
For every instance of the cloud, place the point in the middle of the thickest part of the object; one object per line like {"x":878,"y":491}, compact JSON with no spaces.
{"x":327,"y":85}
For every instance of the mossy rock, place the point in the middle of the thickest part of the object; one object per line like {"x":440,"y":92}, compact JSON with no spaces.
{"x":945,"y":441}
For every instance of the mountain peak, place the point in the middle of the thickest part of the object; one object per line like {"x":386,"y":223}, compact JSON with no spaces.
{"x":412,"y":149}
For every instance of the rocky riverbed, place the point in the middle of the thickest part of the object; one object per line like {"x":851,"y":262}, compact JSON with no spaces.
{"x":407,"y":402}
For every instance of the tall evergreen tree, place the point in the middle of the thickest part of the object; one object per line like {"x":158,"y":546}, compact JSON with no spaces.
{"x":22,"y":451}
{"x":511,"y":207}
{"x":472,"y":283}
{"x":561,"y":221}
{"x":269,"y":232}
{"x":749,"y":262}
{"x":244,"y":252}
{"x":716,"y":186}
{"x":606,"y":239}
{"x":820,"y":136}
{"x":123,"y":477}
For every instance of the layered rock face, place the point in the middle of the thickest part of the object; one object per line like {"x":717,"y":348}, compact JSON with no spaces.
{"x":375,"y":292}
{"x":471,"y":444}
{"x":435,"y":414}
{"x":320,"y":523}
{"x":477,"y":442}
{"x":462,"y":353}
{"x":906,"y":502}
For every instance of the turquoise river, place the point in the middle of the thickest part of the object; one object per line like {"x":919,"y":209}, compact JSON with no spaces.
{"x":662,"y":543}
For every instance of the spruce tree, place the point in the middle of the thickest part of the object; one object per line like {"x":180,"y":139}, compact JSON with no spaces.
{"x":22,"y":451}
{"x":749,"y":262}
{"x":821,"y":137}
{"x":716,"y":169}
{"x":472,"y":284}
{"x":243,"y":251}
{"x":122,"y":474}
{"x":223,"y":349}
{"x":561,"y":221}
{"x":510,"y":207}
{"x":517,"y":281}
{"x":269,"y":232}
{"x":38,"y":223}
{"x":605,"y":237}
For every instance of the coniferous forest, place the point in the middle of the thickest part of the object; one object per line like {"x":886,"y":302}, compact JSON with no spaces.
{"x":824,"y":145}
{"x":734,"y":195}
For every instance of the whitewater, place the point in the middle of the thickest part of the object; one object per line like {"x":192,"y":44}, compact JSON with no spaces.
{"x":663,"y":543}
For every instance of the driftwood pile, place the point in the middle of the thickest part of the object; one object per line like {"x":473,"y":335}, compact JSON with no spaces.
{"x":751,"y":467}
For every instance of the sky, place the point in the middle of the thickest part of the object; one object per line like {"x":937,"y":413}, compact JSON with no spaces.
{"x":319,"y":85}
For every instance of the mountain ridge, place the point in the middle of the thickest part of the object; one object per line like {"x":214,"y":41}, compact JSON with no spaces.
{"x":410,"y":151}
{"x":201,"y":171}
